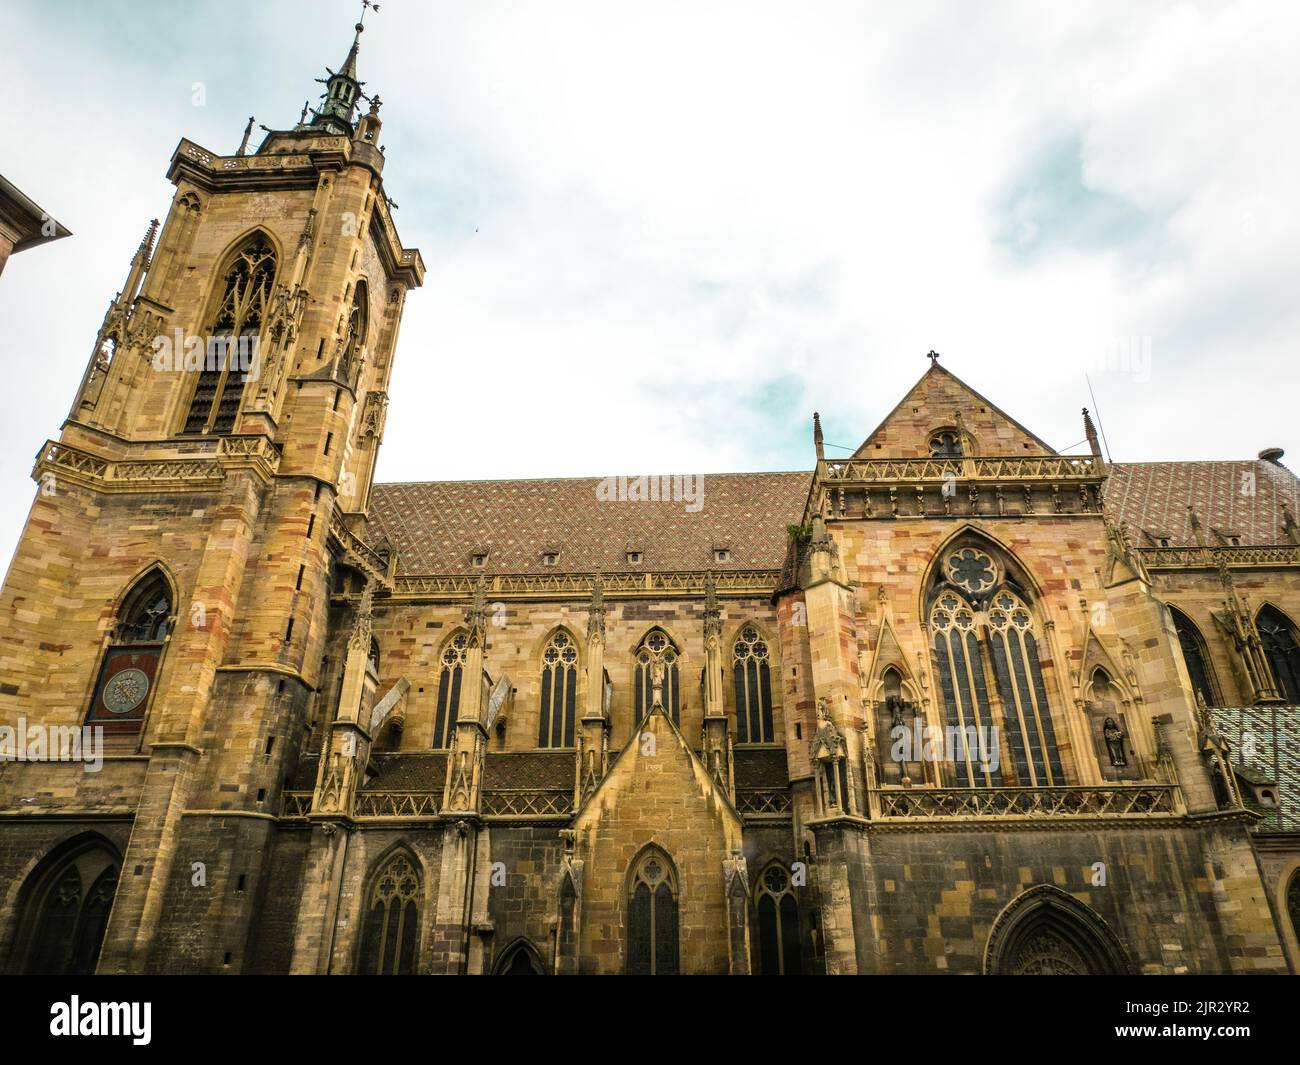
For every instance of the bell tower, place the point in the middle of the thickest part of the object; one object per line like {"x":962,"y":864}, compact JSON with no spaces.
{"x":213,"y":473}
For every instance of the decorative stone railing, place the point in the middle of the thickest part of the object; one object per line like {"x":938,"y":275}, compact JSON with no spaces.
{"x":395,"y":804}
{"x":527,"y":802}
{"x":1162,"y":558}
{"x":204,"y":469}
{"x":991,"y":468}
{"x":957,"y":487}
{"x":295,"y":803}
{"x":1119,"y":800}
{"x":763,"y":802}
{"x":616,"y":585}
{"x":368,"y":804}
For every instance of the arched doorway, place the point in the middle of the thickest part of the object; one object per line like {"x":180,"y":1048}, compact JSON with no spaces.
{"x":64,"y":908}
{"x":1047,"y":932}
{"x":519,"y":959}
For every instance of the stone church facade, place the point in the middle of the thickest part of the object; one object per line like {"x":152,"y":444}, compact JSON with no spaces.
{"x":954,"y":703}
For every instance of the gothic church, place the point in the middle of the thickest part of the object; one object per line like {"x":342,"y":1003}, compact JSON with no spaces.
{"x":956,"y":703}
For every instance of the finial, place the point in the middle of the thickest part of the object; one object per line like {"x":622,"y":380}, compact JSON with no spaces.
{"x":1090,"y":432}
{"x":243,"y":144}
{"x":306,"y":104}
{"x":817,"y":436}
{"x":933,"y":356}
{"x":1197,"y":531}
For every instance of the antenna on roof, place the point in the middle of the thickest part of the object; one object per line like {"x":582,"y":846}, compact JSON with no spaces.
{"x":1100,"y":426}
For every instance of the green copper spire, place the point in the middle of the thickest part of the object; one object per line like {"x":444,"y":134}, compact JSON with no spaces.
{"x":342,"y":89}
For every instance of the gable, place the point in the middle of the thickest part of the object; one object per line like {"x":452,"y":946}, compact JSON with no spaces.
{"x":932,"y":404}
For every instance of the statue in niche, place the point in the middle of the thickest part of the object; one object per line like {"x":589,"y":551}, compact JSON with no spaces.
{"x":1114,"y":736}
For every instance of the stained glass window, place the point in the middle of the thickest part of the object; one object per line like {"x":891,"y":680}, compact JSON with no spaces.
{"x":657,"y":650}
{"x":1283,"y":653}
{"x":390,"y":936}
{"x":753,"y":677}
{"x":652,"y":933}
{"x":1194,"y":655}
{"x":449,"y":681}
{"x":231,"y":337}
{"x":559,"y":692}
{"x":779,"y":952}
{"x":985,"y":645}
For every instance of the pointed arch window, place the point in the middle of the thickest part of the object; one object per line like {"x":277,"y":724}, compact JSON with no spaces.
{"x":133,"y":656}
{"x":778,"y":924}
{"x":559,"y":695}
{"x":752,"y":669}
{"x":652,"y":925}
{"x":392,"y":924}
{"x":62,"y":927}
{"x":354,"y":331}
{"x":1195,"y":657}
{"x":449,"y":684}
{"x":657,"y":657}
{"x":985,"y":645}
{"x":231,"y":338}
{"x":1279,"y":639}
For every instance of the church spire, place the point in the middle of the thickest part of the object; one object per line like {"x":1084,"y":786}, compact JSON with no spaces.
{"x":342,"y":88}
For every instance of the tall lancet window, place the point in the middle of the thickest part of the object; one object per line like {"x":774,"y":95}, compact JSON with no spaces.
{"x":753,"y":675}
{"x":231,"y":338}
{"x":657,"y":655}
{"x":985,"y":646}
{"x":133,"y":656}
{"x":778,"y":924}
{"x":559,"y":689}
{"x":449,"y":682}
{"x":652,"y":933}
{"x":1283,"y":652}
{"x":390,"y":935}
{"x":1195,"y":656}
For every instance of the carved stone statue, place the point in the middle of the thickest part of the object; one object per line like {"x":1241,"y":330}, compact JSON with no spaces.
{"x":1114,"y":736}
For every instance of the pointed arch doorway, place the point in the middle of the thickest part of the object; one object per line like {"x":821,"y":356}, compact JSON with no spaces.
{"x":1048,"y":932}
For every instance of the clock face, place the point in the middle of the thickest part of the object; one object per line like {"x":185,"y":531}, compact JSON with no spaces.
{"x":126,"y":691}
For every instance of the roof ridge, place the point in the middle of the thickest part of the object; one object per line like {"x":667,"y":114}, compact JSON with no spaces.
{"x":594,"y":477}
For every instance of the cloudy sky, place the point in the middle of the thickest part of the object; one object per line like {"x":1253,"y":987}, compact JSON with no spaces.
{"x":660,"y":235}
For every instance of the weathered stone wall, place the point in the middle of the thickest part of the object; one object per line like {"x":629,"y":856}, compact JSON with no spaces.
{"x":1180,"y":898}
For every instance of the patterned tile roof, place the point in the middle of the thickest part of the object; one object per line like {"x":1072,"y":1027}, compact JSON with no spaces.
{"x":437,"y":526}
{"x":1242,"y":498}
{"x":530,"y":769}
{"x":1265,"y":741}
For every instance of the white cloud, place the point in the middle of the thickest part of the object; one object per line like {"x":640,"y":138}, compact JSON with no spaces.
{"x":658,"y":237}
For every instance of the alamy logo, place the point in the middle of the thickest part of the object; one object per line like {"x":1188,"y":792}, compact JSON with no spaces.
{"x":653,"y":488}
{"x":102,"y":1018}
{"x":53,"y":743}
{"x":181,"y":353}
